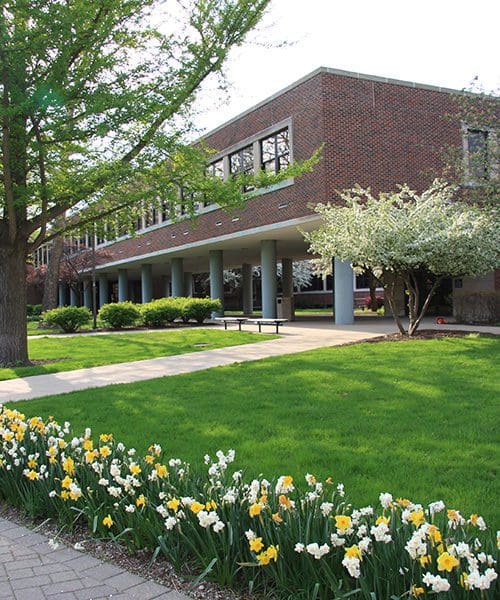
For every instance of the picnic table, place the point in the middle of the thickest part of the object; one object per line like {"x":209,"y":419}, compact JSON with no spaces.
{"x":275,"y":322}
{"x":226,"y":320}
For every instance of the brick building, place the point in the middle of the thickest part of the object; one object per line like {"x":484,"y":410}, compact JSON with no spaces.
{"x":376,"y":132}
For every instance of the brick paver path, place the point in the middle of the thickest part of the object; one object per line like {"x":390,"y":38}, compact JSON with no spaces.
{"x":31,"y":570}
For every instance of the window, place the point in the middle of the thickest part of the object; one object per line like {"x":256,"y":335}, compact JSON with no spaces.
{"x":242,"y":162}
{"x":216,"y":169}
{"x":477,"y":154}
{"x":275,"y":151}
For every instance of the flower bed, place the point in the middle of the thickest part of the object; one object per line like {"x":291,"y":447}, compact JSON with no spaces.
{"x":256,"y":535}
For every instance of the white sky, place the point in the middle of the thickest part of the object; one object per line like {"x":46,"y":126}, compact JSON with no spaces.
{"x":440,"y":42}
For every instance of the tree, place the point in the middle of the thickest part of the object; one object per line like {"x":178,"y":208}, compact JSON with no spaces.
{"x":400,"y":234}
{"x":94,"y":103}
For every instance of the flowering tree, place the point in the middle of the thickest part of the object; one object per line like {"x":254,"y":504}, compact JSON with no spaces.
{"x":400,"y":234}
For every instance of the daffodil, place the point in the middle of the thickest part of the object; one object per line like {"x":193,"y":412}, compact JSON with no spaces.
{"x":447,"y":562}
{"x":107,"y":521}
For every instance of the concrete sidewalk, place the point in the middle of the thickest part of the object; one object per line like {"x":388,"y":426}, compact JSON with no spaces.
{"x":31,"y":570}
{"x":296,"y":337}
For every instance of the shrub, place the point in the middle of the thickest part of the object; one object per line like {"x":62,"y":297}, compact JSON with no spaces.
{"x":68,"y":318}
{"x":200,"y":309}
{"x":119,"y":314}
{"x":271,"y":537}
{"x":33,"y":310}
{"x":368,"y":303}
{"x":160,"y":312}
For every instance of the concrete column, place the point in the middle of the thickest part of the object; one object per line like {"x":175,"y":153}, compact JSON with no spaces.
{"x":146,"y":283}
{"x":268,"y":278}
{"x":103,"y":290}
{"x":177,"y":266}
{"x":122,"y":285}
{"x":344,"y":296}
{"x":217,"y":278}
{"x":287,"y":276}
{"x":247,"y":287}
{"x":188,"y":284}
{"x":87,"y":294}
{"x":62,"y":294}
{"x":73,"y":297}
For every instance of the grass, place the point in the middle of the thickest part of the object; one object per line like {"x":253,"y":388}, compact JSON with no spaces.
{"x":78,"y":352}
{"x":414,"y":418}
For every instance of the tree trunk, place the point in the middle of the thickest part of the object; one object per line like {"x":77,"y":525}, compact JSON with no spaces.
{"x":50,"y":287}
{"x":13,"y":330}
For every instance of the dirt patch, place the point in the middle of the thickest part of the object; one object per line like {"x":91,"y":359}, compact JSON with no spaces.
{"x":427,"y":334}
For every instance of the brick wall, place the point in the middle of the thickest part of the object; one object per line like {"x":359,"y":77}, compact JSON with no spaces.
{"x":375,"y":133}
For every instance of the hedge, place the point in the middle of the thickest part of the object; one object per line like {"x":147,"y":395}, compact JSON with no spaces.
{"x":119,"y":314}
{"x":68,"y":318}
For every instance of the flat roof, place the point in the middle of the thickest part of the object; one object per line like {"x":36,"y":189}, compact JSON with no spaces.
{"x":331,"y":71}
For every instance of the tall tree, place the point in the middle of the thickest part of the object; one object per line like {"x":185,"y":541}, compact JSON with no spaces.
{"x":94,"y":95}
{"x":401,"y":234}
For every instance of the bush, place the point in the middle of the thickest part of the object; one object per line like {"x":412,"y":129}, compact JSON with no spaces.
{"x":68,"y":318}
{"x":367,"y":302}
{"x":200,"y":309}
{"x":119,"y":314}
{"x":160,"y":312}
{"x":33,"y":310}
{"x":273,"y":537}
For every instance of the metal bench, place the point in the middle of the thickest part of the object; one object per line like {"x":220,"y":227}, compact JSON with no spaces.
{"x":226,"y":320}
{"x":260,"y":322}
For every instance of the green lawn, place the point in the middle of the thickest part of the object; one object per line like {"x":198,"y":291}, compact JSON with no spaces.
{"x":413,"y":418}
{"x":91,"y":351}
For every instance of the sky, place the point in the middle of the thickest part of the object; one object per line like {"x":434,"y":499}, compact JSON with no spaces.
{"x":440,"y":42}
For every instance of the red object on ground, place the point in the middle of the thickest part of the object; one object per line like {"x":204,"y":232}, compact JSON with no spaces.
{"x":440,"y":321}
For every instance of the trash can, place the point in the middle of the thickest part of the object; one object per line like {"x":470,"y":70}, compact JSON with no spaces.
{"x":285,"y":308}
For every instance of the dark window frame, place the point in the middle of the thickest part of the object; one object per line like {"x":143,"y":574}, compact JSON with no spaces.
{"x":275,"y":161}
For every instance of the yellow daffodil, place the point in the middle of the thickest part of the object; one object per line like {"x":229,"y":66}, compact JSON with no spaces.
{"x":403,"y":502}
{"x":255,"y":509}
{"x":277,"y":518}
{"x":32,"y":475}
{"x":68,"y":465}
{"x":385,"y":520}
{"x":342,"y":522}
{"x":196,"y":507}
{"x":287,"y":481}
{"x":268,"y":555}
{"x":66,"y":482}
{"x":425,"y":560}
{"x":284,"y":501}
{"x":107,"y":521}
{"x":161,"y":470}
{"x":353,"y":552}
{"x":32,"y":464}
{"x":149,"y":458}
{"x":134,"y":468}
{"x":434,"y":534}
{"x":141,"y":501}
{"x":417,"y":591}
{"x":417,"y":517}
{"x":256,"y":544}
{"x":88,"y":444}
{"x":105,"y":451}
{"x":211,"y":505}
{"x":106,"y":437}
{"x":447,"y":562}
{"x":64,"y":495}
{"x":174,"y":504}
